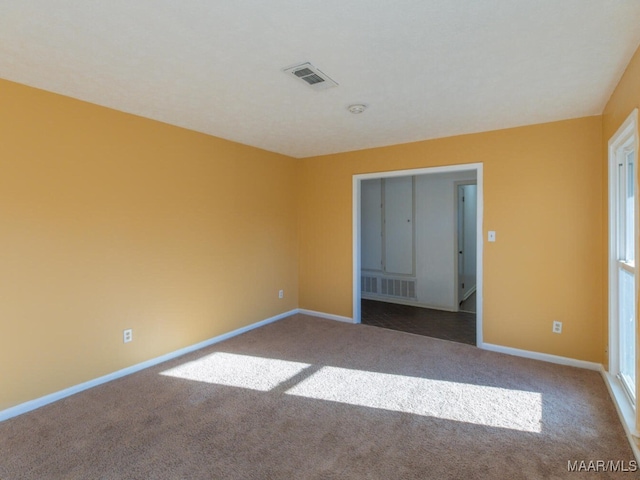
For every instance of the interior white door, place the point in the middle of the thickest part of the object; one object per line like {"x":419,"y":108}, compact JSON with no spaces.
{"x":467,"y":211}
{"x":371,"y":224}
{"x":460,"y":246}
{"x":398,"y":227}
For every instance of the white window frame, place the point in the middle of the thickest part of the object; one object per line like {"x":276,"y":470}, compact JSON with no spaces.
{"x":626,"y":134}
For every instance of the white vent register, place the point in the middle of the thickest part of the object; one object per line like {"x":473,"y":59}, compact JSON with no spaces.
{"x":311,"y":75}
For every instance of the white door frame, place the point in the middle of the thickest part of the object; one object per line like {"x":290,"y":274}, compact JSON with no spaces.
{"x":456,"y":185}
{"x":356,"y":219}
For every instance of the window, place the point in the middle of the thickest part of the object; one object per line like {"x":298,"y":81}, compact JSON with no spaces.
{"x":623,"y":232}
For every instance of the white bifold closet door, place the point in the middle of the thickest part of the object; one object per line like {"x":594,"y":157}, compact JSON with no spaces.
{"x":371,"y":224}
{"x":398,"y":227}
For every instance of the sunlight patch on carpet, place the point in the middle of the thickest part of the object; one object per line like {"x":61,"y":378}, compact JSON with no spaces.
{"x":242,"y":371}
{"x":462,"y":402}
{"x":448,"y":400}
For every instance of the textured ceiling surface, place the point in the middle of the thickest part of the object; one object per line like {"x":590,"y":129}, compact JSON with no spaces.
{"x":425,"y":68}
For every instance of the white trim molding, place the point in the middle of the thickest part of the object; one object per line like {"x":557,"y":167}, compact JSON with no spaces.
{"x":356,"y":231}
{"x":328,"y":316}
{"x":626,"y":413}
{"x":545,"y":357}
{"x":627,"y":417}
{"x":67,"y":392}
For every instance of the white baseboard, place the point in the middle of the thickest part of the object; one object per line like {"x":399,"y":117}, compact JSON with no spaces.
{"x":545,"y":357}
{"x":470,"y":292}
{"x":329,"y":316}
{"x":624,"y":409}
{"x":53,"y":397}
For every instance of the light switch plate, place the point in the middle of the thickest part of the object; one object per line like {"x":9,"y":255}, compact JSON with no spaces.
{"x":492,"y":236}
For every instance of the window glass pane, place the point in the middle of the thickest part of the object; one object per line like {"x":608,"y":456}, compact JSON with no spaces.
{"x":630,"y":209}
{"x":621,"y":219}
{"x":627,"y":330}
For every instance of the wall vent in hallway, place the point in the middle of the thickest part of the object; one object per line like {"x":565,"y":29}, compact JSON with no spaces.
{"x":372,"y":285}
{"x":398,"y":288}
{"x":369,"y":284}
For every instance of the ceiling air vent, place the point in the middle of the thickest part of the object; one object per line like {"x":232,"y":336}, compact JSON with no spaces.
{"x":311,"y":75}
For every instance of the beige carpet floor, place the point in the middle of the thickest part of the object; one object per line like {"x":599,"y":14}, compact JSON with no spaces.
{"x":307,"y":398}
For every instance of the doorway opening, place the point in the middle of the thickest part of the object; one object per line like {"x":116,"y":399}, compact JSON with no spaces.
{"x":410,"y":212}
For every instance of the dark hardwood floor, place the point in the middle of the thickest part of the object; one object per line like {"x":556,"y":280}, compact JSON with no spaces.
{"x":454,"y":326}
{"x":469,"y":305}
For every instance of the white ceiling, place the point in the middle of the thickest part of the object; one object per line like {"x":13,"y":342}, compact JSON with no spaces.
{"x":426,"y":68}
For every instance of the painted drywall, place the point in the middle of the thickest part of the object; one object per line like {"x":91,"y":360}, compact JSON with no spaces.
{"x":624,"y":99}
{"x":436,"y":238}
{"x":543,"y":197}
{"x":111,"y":221}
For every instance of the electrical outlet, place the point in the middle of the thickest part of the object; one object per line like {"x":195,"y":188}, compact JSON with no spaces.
{"x":127,"y":335}
{"x":280,"y":293}
{"x":557,"y":327}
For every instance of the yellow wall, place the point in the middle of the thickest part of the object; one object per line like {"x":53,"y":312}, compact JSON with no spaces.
{"x":110,"y":221}
{"x":542,"y":195}
{"x":624,"y":99}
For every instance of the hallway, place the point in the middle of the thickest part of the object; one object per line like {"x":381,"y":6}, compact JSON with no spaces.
{"x":454,"y":326}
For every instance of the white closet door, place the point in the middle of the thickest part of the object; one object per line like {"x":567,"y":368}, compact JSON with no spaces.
{"x":398,"y":228}
{"x":371,"y":224}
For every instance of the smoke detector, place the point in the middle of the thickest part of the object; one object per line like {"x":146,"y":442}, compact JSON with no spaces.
{"x":357,"y":108}
{"x":311,"y":75}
